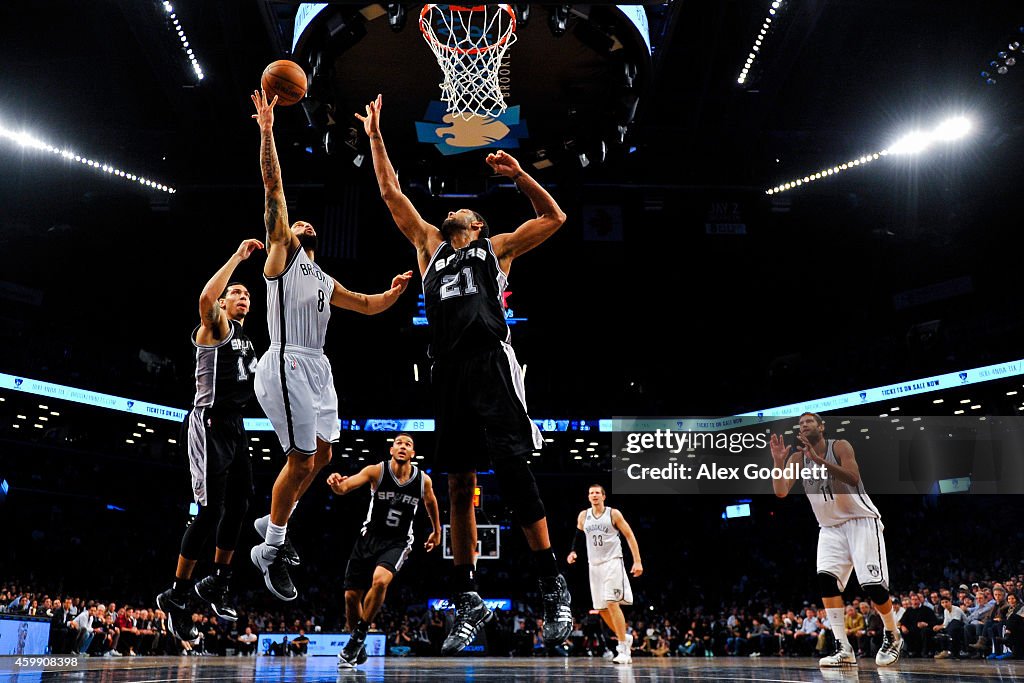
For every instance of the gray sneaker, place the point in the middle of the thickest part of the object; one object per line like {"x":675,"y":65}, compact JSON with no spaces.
{"x":287,"y":549}
{"x":271,"y":564}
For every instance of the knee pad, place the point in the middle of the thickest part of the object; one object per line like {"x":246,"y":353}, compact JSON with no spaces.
{"x":876,"y":593}
{"x":828,"y":586}
{"x":519,"y":489}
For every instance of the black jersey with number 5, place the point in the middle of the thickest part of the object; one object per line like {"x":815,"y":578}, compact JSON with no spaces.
{"x":225,"y":371}
{"x":463,"y":290}
{"x":392,"y":505}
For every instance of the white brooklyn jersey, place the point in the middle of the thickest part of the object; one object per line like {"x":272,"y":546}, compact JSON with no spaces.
{"x":603,"y":542}
{"x":299,"y":303}
{"x":835,"y":502}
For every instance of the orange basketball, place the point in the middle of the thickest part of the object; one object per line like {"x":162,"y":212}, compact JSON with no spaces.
{"x":286,"y":79}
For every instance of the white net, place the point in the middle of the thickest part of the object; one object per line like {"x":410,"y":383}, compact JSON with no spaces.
{"x":470,"y":44}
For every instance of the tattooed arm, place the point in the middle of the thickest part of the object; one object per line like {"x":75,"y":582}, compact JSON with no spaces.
{"x":281,"y":241}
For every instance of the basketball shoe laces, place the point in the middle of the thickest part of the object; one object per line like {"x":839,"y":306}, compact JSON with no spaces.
{"x":469,"y":616}
{"x":889,"y":643}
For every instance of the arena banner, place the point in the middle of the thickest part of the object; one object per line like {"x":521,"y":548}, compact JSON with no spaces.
{"x":325,"y":644}
{"x":23,"y":636}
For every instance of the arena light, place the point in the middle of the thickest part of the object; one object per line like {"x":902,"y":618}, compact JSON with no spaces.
{"x":29,"y":141}
{"x":914,"y":142}
{"x":826,"y":172}
{"x":174,"y":24}
{"x":1005,"y":59}
{"x":770,"y":21}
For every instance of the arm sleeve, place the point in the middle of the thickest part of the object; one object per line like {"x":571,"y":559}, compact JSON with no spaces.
{"x":579,"y":541}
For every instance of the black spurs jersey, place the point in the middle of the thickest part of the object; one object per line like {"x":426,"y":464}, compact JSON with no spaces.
{"x":392,"y":505}
{"x":463,"y":291}
{"x":224,"y":373}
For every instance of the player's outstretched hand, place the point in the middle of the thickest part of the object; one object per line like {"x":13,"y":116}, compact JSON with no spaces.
{"x":371,"y":121}
{"x":637,"y":569}
{"x":334,"y":481}
{"x":780,"y":451}
{"x":572,"y":558}
{"x":401,"y":281}
{"x":264,"y":112}
{"x":433,"y":540}
{"x":246,"y":248}
{"x":809,"y":452}
{"x":503,"y":163}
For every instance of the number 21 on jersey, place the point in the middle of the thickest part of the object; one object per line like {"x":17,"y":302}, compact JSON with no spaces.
{"x":453,"y":286}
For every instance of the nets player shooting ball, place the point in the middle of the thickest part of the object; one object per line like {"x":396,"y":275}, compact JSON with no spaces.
{"x":294,"y":381}
{"x":850,"y":538}
{"x":397,"y":487}
{"x":598,"y":528}
{"x":478,"y":387}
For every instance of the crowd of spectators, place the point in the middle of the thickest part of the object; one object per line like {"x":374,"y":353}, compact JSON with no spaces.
{"x":981,"y":620}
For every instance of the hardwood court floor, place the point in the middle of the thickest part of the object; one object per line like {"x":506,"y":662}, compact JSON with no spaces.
{"x":455,"y":670}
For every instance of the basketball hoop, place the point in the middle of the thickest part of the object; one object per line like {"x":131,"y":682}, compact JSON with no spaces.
{"x":469,"y":44}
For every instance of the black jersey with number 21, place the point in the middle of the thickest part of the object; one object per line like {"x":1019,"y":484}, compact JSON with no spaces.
{"x":463,"y":290}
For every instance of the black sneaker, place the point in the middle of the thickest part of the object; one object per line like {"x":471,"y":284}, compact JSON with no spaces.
{"x":470,"y":614}
{"x":216,"y":592}
{"x":361,"y":659}
{"x":179,"y":617}
{"x":557,"y":610}
{"x":350,"y":653}
{"x":287,"y":549}
{"x":271,"y":564}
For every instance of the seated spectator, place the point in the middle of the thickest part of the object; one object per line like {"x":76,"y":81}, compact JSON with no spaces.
{"x":1014,"y":631}
{"x":247,"y":642}
{"x":688,"y":645}
{"x":659,"y":645}
{"x":951,"y":630}
{"x":855,"y":625}
{"x":82,"y":631}
{"x":869,"y":638}
{"x":826,"y":641}
{"x":759,"y":638}
{"x":299,"y":646}
{"x":806,"y":637}
{"x":916,"y":627}
{"x":974,"y":628}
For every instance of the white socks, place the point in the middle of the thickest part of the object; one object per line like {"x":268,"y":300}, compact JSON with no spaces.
{"x":275,"y":534}
{"x":836,"y":616}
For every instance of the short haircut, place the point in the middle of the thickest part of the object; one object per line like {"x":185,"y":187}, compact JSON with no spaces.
{"x":235,"y":283}
{"x":598,"y":486}
{"x":817,"y":418}
{"x":485,"y":231}
{"x":406,"y":435}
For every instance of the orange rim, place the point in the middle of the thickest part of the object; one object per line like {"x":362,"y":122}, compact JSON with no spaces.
{"x":432,"y":39}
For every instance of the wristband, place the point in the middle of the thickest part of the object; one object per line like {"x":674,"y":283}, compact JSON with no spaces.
{"x":579,"y":541}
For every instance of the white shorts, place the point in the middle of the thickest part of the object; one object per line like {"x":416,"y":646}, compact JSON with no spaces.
{"x":301,"y":402}
{"x":610,"y":583}
{"x":855,"y":545}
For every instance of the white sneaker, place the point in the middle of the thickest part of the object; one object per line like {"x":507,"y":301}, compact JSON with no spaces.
{"x":625,"y":651}
{"x":892,"y":648}
{"x":608,"y":654}
{"x":842,"y":658}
